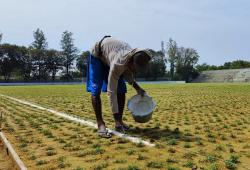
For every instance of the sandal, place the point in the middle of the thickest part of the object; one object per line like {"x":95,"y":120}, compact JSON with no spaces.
{"x":104,"y":134}
{"x":122,"y":128}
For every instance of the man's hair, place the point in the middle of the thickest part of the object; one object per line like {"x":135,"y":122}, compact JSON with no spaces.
{"x":141,"y":59}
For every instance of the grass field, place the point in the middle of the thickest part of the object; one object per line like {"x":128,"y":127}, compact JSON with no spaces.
{"x":5,"y":161}
{"x":213,"y":122}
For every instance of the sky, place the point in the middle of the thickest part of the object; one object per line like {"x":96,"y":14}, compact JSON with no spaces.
{"x":218,"y":29}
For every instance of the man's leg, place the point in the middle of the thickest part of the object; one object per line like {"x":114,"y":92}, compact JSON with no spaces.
{"x":94,"y":85}
{"x":121,"y":103}
{"x":119,"y":124}
{"x":97,"y":106}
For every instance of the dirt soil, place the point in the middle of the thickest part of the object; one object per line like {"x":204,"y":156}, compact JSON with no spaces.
{"x":5,"y":161}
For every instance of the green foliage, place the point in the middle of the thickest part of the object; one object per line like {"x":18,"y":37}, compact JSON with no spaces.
{"x":238,"y":64}
{"x":172,"y":168}
{"x":40,"y":41}
{"x":41,"y":162}
{"x":78,"y":168}
{"x":81,"y":63}
{"x":101,"y":166}
{"x":152,"y":164}
{"x":234,"y":159}
{"x":182,"y":62}
{"x":53,"y":62}
{"x":231,"y":163}
{"x":10,"y":55}
{"x":1,"y":36}
{"x":172,"y":56}
{"x":130,"y":152}
{"x":211,"y":158}
{"x":189,"y":164}
{"x":156,"y":67}
{"x":205,"y":66}
{"x":133,"y":167}
{"x":213,"y":166}
{"x":37,"y":62}
{"x":69,"y":52}
{"x":235,"y":65}
{"x":172,"y":142}
{"x":186,"y":60}
{"x":38,"y":48}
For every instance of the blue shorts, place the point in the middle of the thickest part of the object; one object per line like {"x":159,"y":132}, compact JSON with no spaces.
{"x":97,"y":77}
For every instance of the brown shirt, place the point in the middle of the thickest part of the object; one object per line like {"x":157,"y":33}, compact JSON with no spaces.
{"x":116,"y":55}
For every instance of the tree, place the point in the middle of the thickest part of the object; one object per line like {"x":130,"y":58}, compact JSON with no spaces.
{"x":156,"y":67}
{"x":81,"y":63}
{"x":236,"y":64}
{"x":186,"y":60}
{"x":69,"y":52}
{"x":157,"y":64}
{"x":9,"y":60}
{"x":38,"y":54}
{"x":172,"y":56}
{"x":53,"y":62}
{"x":205,"y":66}
{"x":1,"y":36}
{"x":25,"y":64}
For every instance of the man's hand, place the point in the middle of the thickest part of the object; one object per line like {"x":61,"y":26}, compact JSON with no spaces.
{"x":141,"y":92}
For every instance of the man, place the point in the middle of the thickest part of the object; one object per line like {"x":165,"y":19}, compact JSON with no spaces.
{"x":109,"y":63}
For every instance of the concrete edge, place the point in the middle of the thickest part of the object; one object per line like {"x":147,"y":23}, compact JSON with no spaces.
{"x":19,"y":163}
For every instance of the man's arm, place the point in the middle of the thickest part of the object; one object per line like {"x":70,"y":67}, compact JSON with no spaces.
{"x":139,"y":90}
{"x":112,"y":88}
{"x":129,"y":77}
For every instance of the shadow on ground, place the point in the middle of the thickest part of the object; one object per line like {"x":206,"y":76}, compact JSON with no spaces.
{"x":162,"y":135}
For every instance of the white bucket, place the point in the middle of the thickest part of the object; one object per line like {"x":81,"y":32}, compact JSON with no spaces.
{"x":141,"y":108}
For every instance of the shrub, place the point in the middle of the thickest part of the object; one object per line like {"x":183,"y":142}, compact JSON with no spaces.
{"x":172,"y":142}
{"x":140,"y":157}
{"x":211,"y":158}
{"x":51,"y":153}
{"x":120,"y":161}
{"x":187,"y":145}
{"x":133,"y":167}
{"x":41,"y":162}
{"x":172,"y":168}
{"x":101,"y":166}
{"x":189,"y":164}
{"x":230,"y":165}
{"x":130,"y":152}
{"x":232,"y":161}
{"x":152,"y":164}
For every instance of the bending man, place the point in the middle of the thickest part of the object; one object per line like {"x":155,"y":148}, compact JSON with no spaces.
{"x":111,"y":61}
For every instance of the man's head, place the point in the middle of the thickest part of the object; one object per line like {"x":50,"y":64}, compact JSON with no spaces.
{"x":139,"y":60}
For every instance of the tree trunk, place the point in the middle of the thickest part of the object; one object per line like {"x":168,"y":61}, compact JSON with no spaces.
{"x":172,"y":71}
{"x":53,"y":75}
{"x":6,"y":77}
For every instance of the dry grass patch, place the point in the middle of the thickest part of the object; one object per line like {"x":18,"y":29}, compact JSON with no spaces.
{"x":194,"y":125}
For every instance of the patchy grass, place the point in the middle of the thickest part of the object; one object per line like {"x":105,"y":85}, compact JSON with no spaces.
{"x":203,"y":126}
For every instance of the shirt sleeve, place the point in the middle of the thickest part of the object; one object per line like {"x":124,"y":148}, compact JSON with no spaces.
{"x":114,"y":73}
{"x":94,"y":50}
